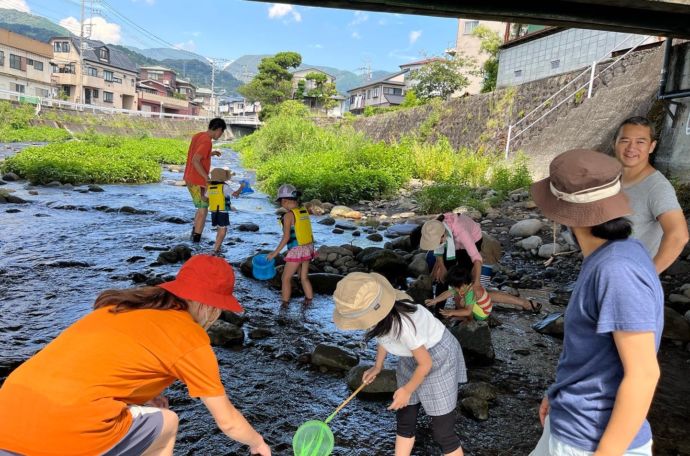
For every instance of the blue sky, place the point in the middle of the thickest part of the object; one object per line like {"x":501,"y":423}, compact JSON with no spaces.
{"x":227,"y":29}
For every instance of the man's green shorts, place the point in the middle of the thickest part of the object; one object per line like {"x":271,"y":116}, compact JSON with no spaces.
{"x":197,"y":192}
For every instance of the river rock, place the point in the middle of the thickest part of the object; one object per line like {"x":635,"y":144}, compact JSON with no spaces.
{"x":468,"y":211}
{"x":675,"y":326}
{"x":547,"y":250}
{"x":315,"y":207}
{"x":67,"y":264}
{"x":234,"y":318}
{"x":133,"y":210}
{"x":475,"y":340}
{"x":530,"y":243}
{"x":345,"y":212}
{"x":345,"y":226}
{"x":492,"y":250}
{"x":260,"y":333}
{"x":54,"y":184}
{"x":421,"y":289}
{"x":324,"y":283}
{"x":687,"y":316}
{"x":333,"y":357}
{"x":552,"y":325}
{"x":418,"y":266}
{"x":375,"y":237}
{"x":400,"y":229}
{"x":476,"y":407}
{"x":338,"y":231}
{"x":11,"y":199}
{"x":95,"y":188}
{"x":385,"y":382}
{"x":179,"y":253}
{"x":481,"y":390}
{"x":678,"y":298}
{"x":13,"y":211}
{"x":10,"y":177}
{"x":326,"y":221}
{"x":526,"y":228}
{"x":248,"y":227}
{"x":175,"y":220}
{"x":224,"y":334}
{"x":384,"y":261}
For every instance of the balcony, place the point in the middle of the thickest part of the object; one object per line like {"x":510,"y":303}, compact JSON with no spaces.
{"x":167,"y":102}
{"x":65,"y":79}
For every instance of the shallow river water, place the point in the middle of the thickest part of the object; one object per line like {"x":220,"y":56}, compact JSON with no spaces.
{"x":58,"y":253}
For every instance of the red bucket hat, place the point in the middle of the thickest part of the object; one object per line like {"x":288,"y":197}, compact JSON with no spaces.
{"x":207,"y":279}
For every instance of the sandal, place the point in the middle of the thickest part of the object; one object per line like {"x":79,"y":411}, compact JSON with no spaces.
{"x":535,"y":305}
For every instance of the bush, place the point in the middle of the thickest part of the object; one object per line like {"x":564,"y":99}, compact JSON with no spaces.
{"x":446,"y":197}
{"x":41,"y":134}
{"x":97,"y":159}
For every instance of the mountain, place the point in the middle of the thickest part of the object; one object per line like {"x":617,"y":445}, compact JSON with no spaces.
{"x":161,"y":54}
{"x":245,"y":68}
{"x":195,"y":70}
{"x":26,"y":24}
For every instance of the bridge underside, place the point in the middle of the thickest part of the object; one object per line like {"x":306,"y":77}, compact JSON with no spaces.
{"x":648,"y":17}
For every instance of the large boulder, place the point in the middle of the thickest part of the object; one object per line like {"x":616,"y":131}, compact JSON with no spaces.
{"x":492,"y":250}
{"x":178,"y":254}
{"x":345,"y":212}
{"x":526,"y":228}
{"x":385,"y":382}
{"x":324,"y":283}
{"x":400,"y":243}
{"x":224,"y":334}
{"x":547,"y":250}
{"x":421,"y":289}
{"x":333,"y":357}
{"x":530,"y":243}
{"x":475,"y":340}
{"x":477,"y":408}
{"x":481,"y":390}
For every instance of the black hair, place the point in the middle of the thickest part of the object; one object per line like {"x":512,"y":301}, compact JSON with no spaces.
{"x":217,"y":123}
{"x":392,"y":323}
{"x":416,"y":237}
{"x":613,"y":230}
{"x":458,"y":276}
{"x":637,"y":120}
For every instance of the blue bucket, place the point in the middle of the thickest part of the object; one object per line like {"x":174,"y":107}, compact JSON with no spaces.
{"x":263,"y":268}
{"x":246,"y":188}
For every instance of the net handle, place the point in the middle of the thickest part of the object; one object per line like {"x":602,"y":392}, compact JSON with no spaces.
{"x":361,"y":387}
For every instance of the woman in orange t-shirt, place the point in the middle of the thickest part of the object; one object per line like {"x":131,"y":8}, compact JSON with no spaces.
{"x":96,"y":389}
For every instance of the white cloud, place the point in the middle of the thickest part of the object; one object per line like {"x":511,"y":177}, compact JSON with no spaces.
{"x":359,"y":18}
{"x":356,"y":35}
{"x":19,"y":5}
{"x":414,"y":36}
{"x":189,"y":45}
{"x":316,"y":46}
{"x":101,"y":29}
{"x":278,"y":10}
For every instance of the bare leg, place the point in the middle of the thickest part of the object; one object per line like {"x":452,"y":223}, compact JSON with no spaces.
{"x":306,"y":283}
{"x":506,"y":298}
{"x":165,"y":442}
{"x":403,"y":445}
{"x":200,"y":219}
{"x":286,"y":287}
{"x":220,"y":235}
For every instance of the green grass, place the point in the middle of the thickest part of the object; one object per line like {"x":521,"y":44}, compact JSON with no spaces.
{"x":341,"y":165}
{"x":97,"y":159}
{"x":40,"y":134}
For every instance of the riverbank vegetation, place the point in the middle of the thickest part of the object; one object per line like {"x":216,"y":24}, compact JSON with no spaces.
{"x":97,"y":159}
{"x":16,"y":127}
{"x":340,"y":164}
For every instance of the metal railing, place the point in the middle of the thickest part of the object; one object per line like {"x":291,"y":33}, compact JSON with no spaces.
{"x":512,"y":134}
{"x":252,"y":120}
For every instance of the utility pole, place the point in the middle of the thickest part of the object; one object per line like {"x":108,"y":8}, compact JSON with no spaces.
{"x":213,"y":87}
{"x":80,"y":74}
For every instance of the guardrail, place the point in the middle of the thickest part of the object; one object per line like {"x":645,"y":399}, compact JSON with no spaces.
{"x":252,"y":120}
{"x":512,"y":134}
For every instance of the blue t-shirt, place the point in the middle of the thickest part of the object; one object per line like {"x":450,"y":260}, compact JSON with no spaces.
{"x":617,"y":290}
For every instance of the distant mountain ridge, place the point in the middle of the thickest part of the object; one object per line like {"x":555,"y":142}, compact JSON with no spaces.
{"x":161,"y":54}
{"x":36,"y":27}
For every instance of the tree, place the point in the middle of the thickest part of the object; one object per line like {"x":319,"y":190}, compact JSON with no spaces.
{"x":441,"y":78}
{"x":322,"y":91}
{"x":273,"y":83}
{"x":490,"y":43}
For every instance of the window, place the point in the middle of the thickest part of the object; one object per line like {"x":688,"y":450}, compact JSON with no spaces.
{"x":61,"y":46}
{"x":108,"y":97}
{"x":15,"y":62}
{"x":19,"y":88}
{"x":470,"y":26}
{"x":38,"y":66}
{"x":2,"y":58}
{"x":108,"y":75}
{"x":91,"y":71}
{"x":45,"y":93}
{"x":352,"y":99}
{"x":154,"y":75}
{"x":94,"y":93}
{"x":104,"y":54}
{"x":555,"y":64}
{"x":518,"y":73}
{"x":368,"y":94}
{"x":375,"y":93}
{"x":29,"y":61}
{"x":392,"y":91}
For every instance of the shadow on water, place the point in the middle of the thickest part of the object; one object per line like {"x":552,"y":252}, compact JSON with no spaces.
{"x":59,"y":252}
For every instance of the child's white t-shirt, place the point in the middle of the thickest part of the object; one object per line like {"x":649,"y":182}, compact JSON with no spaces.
{"x":427,"y":331}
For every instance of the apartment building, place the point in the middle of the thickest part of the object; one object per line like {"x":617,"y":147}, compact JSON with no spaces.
{"x":468,"y":45}
{"x":25,"y":65}
{"x":106,"y":76}
{"x":159,"y":90}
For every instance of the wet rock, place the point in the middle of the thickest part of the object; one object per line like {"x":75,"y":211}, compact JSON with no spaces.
{"x":326,"y":221}
{"x":401,"y":229}
{"x":481,"y":390}
{"x":67,"y":264}
{"x":338,"y":231}
{"x":155,"y":248}
{"x":54,"y":184}
{"x":67,"y":186}
{"x":133,"y":210}
{"x":333,"y":357}
{"x":33,"y":192}
{"x":345,"y":226}
{"x":356,"y":233}
{"x":401,"y":243}
{"x":6,"y":197}
{"x":675,"y":326}
{"x":345,"y":212}
{"x":530,"y":243}
{"x":421,"y":289}
{"x":176,"y":220}
{"x":248,"y":227}
{"x":12,"y":211}
{"x":138,"y":277}
{"x":375,"y":237}
{"x":324,"y":283}
{"x":552,"y":325}
{"x":384,"y":262}
{"x":475,"y":340}
{"x":179,"y":253}
{"x":233,"y":318}
{"x":153,"y":281}
{"x":10,"y":177}
{"x":134,"y":259}
{"x":561,"y":296}
{"x":224,"y":334}
{"x":385,"y":382}
{"x":526,"y":228}
{"x":260,"y":333}
{"x":95,"y":188}
{"x":678,"y":298}
{"x":476,"y":407}
{"x":418,"y":266}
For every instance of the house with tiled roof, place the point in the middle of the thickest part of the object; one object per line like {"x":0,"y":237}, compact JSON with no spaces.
{"x":386,"y":91}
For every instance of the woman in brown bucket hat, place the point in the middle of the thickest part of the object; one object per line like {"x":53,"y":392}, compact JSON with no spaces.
{"x":608,"y":370}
